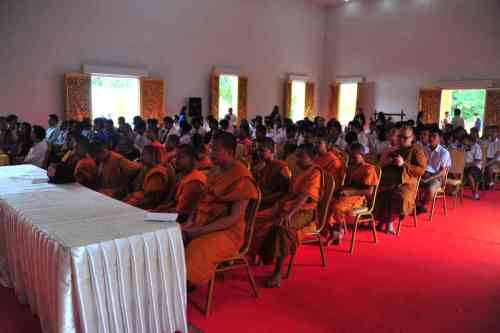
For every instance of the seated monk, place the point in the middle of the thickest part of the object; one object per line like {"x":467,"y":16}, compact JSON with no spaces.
{"x":360,"y":182}
{"x":276,"y":234}
{"x":216,"y":230}
{"x":86,"y":169}
{"x":272,"y":176}
{"x":115,"y":172}
{"x":190,"y":185}
{"x":151,"y":185}
{"x":153,"y":136}
{"x":203,"y":162}
{"x":329,"y":160}
{"x":398,"y":186}
{"x":170,"y":147}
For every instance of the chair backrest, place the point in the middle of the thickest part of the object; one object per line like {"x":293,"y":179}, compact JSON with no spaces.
{"x":327,"y":190}
{"x":250,"y":214}
{"x":371,"y":205}
{"x":457,"y":161}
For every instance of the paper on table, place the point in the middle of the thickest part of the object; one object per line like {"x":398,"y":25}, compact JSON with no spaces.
{"x":161,"y":217}
{"x":40,"y":181}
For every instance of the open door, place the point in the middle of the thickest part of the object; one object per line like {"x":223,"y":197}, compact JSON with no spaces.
{"x":429,"y":102}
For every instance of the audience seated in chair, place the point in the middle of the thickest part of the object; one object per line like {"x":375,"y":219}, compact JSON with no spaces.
{"x":272,"y":176}
{"x":400,"y":173}
{"x":115,"y":172}
{"x":439,"y":162}
{"x":151,"y":184}
{"x":276,"y":235}
{"x":216,"y":230}
{"x":361,"y":179}
{"x":190,"y":185}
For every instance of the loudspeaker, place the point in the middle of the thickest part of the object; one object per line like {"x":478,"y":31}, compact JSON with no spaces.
{"x":195,"y":107}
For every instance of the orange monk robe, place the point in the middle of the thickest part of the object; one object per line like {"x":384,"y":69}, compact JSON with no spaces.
{"x":86,"y":172}
{"x":398,"y":186}
{"x":115,"y":175}
{"x":291,"y":161}
{"x":204,"y":164}
{"x":273,"y":178}
{"x":189,"y":191}
{"x":223,"y":189}
{"x":270,"y":241}
{"x":331,"y":163}
{"x":163,"y":156}
{"x":150,"y":181}
{"x":361,"y":177}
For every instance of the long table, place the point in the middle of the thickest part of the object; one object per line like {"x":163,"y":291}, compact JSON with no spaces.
{"x":85,"y":262}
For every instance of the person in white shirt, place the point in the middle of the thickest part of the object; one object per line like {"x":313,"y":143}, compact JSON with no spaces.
{"x":140,"y":138}
{"x":438,"y":163}
{"x":38,"y":153}
{"x":493,"y":154}
{"x":52,"y":132}
{"x":458,"y":121}
{"x":473,"y":159}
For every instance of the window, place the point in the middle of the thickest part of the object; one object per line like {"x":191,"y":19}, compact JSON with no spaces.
{"x":348,"y":97}
{"x":298,"y":104}
{"x":228,"y":95}
{"x":469,"y":101}
{"x":114,"y":97}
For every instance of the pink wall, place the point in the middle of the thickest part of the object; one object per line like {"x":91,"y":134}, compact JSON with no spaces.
{"x":178,"y":40}
{"x":403,"y":45}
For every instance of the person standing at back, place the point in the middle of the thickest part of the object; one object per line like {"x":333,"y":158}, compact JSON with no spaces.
{"x":458,"y":121}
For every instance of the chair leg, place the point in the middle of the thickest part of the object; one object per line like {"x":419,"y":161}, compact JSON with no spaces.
{"x":374,"y":230}
{"x":461,"y":194}
{"x":322,"y":251}
{"x":445,"y":204}
{"x":355,"y":230}
{"x":399,"y":225}
{"x":415,"y":220}
{"x":431,"y":215}
{"x":211,"y":285}
{"x":251,"y":278}
{"x":290,"y":264}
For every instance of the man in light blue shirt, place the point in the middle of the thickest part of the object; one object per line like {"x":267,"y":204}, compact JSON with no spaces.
{"x":439,"y":162}
{"x":52,"y":132}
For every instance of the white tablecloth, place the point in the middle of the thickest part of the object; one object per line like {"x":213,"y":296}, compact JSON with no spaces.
{"x":88,"y":263}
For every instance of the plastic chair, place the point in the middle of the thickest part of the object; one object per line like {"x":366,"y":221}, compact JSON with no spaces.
{"x":401,"y":218}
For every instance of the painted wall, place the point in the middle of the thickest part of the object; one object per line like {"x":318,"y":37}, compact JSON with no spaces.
{"x":403,"y":45}
{"x":177,"y":40}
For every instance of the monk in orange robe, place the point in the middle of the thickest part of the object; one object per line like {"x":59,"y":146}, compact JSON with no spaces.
{"x":328,"y":160}
{"x":190,"y":185}
{"x":216,"y":230}
{"x":277,"y":228}
{"x":86,"y":169}
{"x":115,"y":172}
{"x":171,"y":147}
{"x":398,"y":186}
{"x":361,"y":180}
{"x":151,"y":185}
{"x":273,"y":176}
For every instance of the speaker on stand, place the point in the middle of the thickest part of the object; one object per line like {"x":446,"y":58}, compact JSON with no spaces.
{"x":195,"y":107}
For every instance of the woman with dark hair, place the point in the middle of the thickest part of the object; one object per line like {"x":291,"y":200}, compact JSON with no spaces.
{"x":37,"y":153}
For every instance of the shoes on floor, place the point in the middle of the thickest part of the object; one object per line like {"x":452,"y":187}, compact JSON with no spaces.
{"x":476,"y":196}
